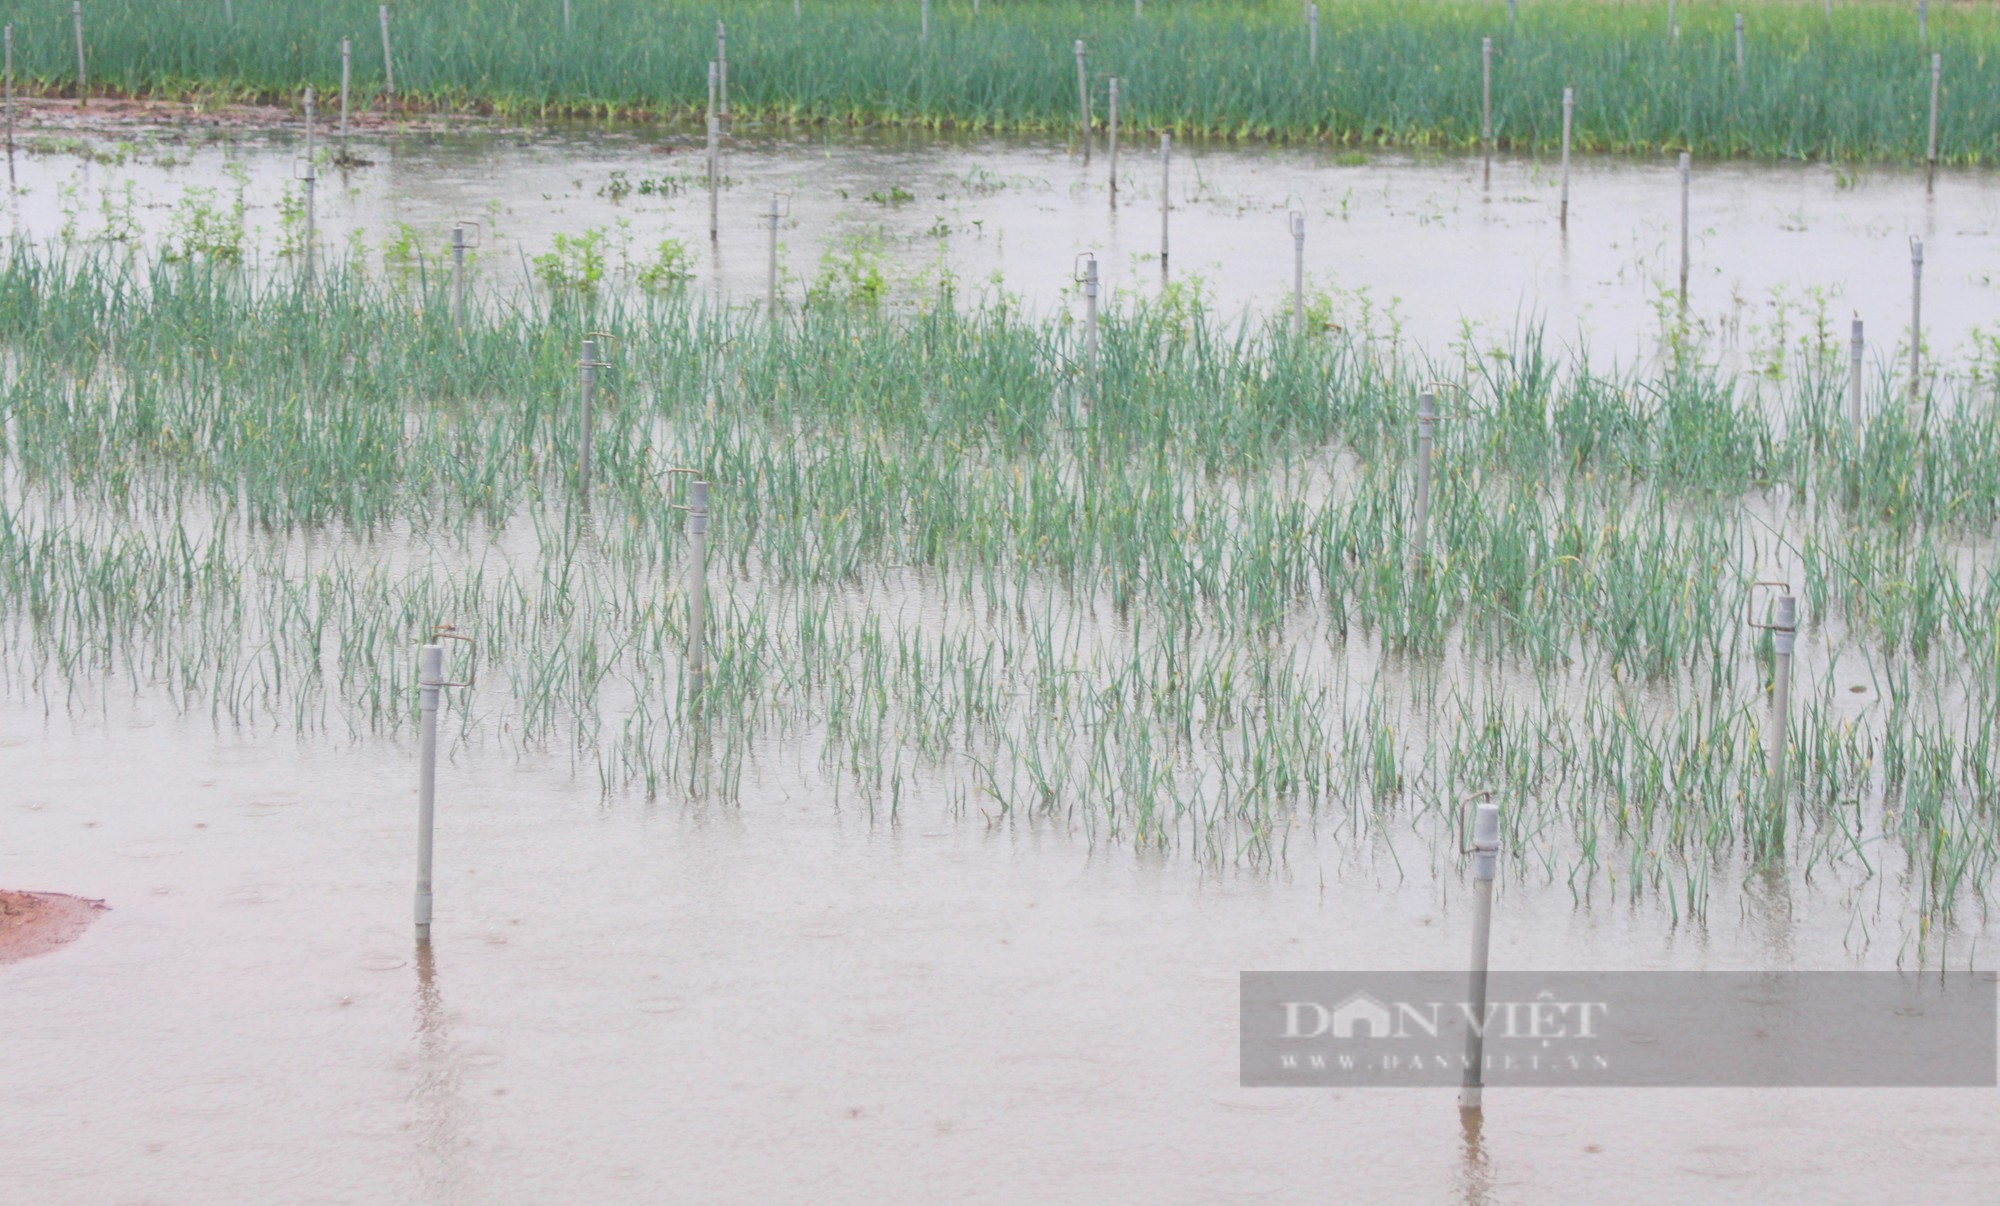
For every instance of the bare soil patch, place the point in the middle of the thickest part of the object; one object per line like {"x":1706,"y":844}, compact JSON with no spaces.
{"x":35,"y":923}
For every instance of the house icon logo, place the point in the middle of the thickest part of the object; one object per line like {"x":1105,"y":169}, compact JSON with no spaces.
{"x":1361,"y":1016}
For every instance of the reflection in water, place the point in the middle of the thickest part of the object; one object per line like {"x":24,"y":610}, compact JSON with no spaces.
{"x":441,"y":1170}
{"x":1768,"y":902}
{"x":1475,"y":1177}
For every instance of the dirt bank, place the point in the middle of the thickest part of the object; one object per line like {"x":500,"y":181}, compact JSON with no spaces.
{"x":34,"y":923}
{"x":112,"y":116}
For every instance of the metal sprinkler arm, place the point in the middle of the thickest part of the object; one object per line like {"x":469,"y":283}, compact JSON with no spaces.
{"x":449,"y":632}
{"x":1432,"y":388}
{"x":602,"y":338}
{"x":1750,"y":606}
{"x":678,"y":471}
{"x":1481,"y":844}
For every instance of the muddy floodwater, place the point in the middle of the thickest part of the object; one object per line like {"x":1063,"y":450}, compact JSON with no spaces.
{"x":1434,"y":250}
{"x":786,"y":1002}
{"x":796,"y":997}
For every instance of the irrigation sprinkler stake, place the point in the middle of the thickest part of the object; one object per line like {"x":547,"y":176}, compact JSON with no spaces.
{"x":714,"y":152}
{"x":1739,"y":47}
{"x":1298,"y":220}
{"x":1856,"y":346}
{"x":1112,"y":121}
{"x":311,"y":181}
{"x":1485,"y":851}
{"x":1673,"y":27}
{"x":566,"y":25}
{"x":722,"y":70}
{"x":10,"y":96}
{"x":1088,"y":278}
{"x":1486,"y":95}
{"x":388,"y":62}
{"x":924,"y":19}
{"x":1784,"y":635}
{"x":587,"y":366}
{"x":1569,"y":111}
{"x":697,"y":586}
{"x":1166,"y":163}
{"x":1312,"y":34}
{"x":431,"y":680}
{"x":1083,"y":102}
{"x":458,"y":280}
{"x":1687,"y":173}
{"x":1916,"y":313}
{"x":458,"y":246}
{"x":346,"y":77}
{"x":1426,"y":437}
{"x":1930,"y":153}
{"x":771,"y":277}
{"x":82,"y":75}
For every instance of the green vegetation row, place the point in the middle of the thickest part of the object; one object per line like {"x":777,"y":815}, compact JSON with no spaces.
{"x":1176,"y":603}
{"x":1385,"y":74}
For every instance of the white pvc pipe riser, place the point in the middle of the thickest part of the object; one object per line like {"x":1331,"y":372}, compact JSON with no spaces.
{"x":82,"y":73}
{"x":1916,"y":315}
{"x":1083,"y":101}
{"x":1856,"y":347}
{"x":697,"y":654}
{"x":771,"y":267}
{"x":1783,"y":638}
{"x":1485,"y":854}
{"x":714,"y":155}
{"x":1486,"y":94}
{"x":588,"y":364}
{"x":311,"y":186}
{"x":1931,"y":151}
{"x":346,"y":79}
{"x":1426,"y":435}
{"x":1298,"y":275}
{"x":1090,"y":313}
{"x":1687,"y":174}
{"x":1113,"y":122}
{"x":1569,"y":111}
{"x":388,"y":60}
{"x":458,"y":280}
{"x":430,"y":680}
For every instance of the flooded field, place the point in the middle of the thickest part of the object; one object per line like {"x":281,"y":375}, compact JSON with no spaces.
{"x":1434,"y":251}
{"x":1055,"y":675}
{"x":631,"y":1004}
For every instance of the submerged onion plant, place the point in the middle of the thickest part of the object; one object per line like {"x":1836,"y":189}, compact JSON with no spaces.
{"x":1180,"y":602}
